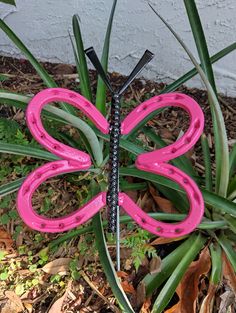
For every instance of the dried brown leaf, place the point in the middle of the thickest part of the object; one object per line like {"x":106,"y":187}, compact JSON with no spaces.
{"x":164,"y":205}
{"x":146,"y":306}
{"x":163,"y":241}
{"x":187,"y":290}
{"x":6,"y":242}
{"x":57,"y":305}
{"x":127,"y":287}
{"x":155,"y":265}
{"x":14,"y":304}
{"x":59,"y":266}
{"x":229,"y":273}
{"x":208,"y":302}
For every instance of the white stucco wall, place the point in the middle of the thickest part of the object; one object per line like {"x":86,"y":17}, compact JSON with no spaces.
{"x":43,"y":26}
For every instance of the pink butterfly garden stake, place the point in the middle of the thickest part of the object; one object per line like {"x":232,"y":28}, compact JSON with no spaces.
{"x":73,"y":160}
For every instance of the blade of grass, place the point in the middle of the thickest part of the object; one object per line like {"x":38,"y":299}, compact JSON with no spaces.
{"x":81,"y":57}
{"x":221,"y":143}
{"x":101,"y":88}
{"x":47,"y":79}
{"x":207,"y":162}
{"x":170,"y":286}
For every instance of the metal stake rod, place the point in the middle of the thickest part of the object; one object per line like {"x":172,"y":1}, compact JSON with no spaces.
{"x":113,"y":188}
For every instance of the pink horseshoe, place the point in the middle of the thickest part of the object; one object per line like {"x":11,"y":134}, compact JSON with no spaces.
{"x":75,"y":160}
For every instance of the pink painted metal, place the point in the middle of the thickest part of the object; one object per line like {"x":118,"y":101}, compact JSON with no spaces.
{"x":75,"y":160}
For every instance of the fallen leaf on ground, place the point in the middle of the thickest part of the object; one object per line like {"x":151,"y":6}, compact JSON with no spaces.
{"x":6,"y":241}
{"x":229,"y":273}
{"x":208,"y":301}
{"x":155,"y":265}
{"x":163,"y":241}
{"x":57,"y":305}
{"x":146,"y":306}
{"x":14,"y":304}
{"x":187,"y":290}
{"x":59,"y":266}
{"x":164,"y":204}
{"x":122,"y":274}
{"x":227,"y":299}
{"x":127,"y":287}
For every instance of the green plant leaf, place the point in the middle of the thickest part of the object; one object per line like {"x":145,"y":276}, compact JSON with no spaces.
{"x":187,"y":76}
{"x":200,"y":40}
{"x":210,"y":198}
{"x":12,"y":2}
{"x":26,"y":151}
{"x":11,"y":187}
{"x":80,"y":58}
{"x":228,"y":249}
{"x":47,"y":79}
{"x":216,"y":263}
{"x":221,"y":143}
{"x":101,"y":88}
{"x":170,"y":286}
{"x":221,"y":151}
{"x":232,"y":161}
{"x":207,"y":162}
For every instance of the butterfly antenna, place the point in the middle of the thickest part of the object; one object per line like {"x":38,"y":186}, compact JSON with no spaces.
{"x":91,"y":54}
{"x":145,"y":59}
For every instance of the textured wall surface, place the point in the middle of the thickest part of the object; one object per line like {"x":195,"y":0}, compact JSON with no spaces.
{"x":43,"y":26}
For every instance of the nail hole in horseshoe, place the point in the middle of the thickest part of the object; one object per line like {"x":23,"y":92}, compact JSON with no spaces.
{"x":171,"y":172}
{"x":159,"y":229}
{"x":178,"y":97}
{"x":77,"y":219}
{"x":43,"y":225}
{"x":26,"y":190}
{"x":173,"y":150}
{"x":145,"y":107}
{"x":55,"y":92}
{"x":185,"y":181}
{"x":188,"y":140}
{"x":72,"y":95}
{"x":42,"y":136}
{"x":159,"y":99}
{"x":61,"y":225}
{"x":197,"y":124}
{"x":39,"y":175}
{"x":143,"y":220}
{"x":196,"y":197}
{"x":178,"y":230}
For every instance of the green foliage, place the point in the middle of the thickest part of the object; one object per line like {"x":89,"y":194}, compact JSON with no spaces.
{"x":140,"y":248}
{"x":11,"y":2}
{"x":219,"y":221}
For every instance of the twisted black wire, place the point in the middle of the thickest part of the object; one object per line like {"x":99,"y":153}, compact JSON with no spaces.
{"x":113,"y":183}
